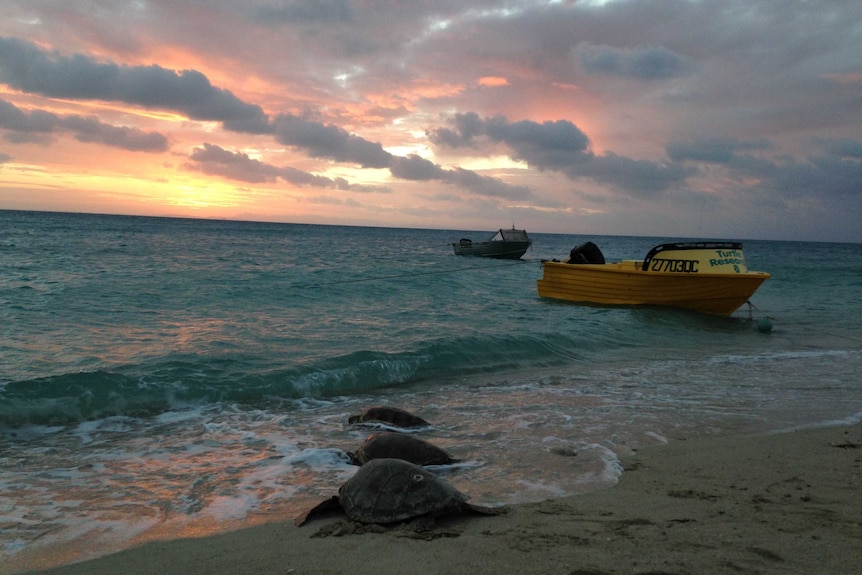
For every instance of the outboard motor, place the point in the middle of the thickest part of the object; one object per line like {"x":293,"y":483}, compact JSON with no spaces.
{"x":586,"y":253}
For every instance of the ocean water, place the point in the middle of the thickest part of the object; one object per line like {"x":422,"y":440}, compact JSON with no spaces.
{"x":165,"y":378}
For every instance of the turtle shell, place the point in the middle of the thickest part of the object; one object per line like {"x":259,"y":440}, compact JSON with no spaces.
{"x":390,"y":444}
{"x":389,"y":490}
{"x":391,"y":415}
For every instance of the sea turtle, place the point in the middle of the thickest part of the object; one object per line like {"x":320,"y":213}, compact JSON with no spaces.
{"x":400,"y":446}
{"x":393,"y":490}
{"x":391,"y":415}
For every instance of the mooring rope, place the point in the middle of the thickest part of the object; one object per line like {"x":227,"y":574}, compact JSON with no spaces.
{"x":765,"y":325}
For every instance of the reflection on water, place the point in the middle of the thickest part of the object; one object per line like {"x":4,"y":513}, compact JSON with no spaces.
{"x":121,"y":480}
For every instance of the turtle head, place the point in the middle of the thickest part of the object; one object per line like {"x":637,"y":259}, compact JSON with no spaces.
{"x":354,"y":459}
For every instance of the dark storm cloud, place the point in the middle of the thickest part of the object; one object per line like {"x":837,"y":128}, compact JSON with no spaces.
{"x":91,"y":130}
{"x":416,"y":168}
{"x":486,"y":186}
{"x":636,"y":177}
{"x":26,"y":67}
{"x":550,"y":145}
{"x":822,"y":175}
{"x":331,"y":142}
{"x":214,"y":160}
{"x":36,"y":125}
{"x":749,"y":101}
{"x":467,"y":127}
{"x":13,"y":118}
{"x":645,"y":63}
{"x":836,"y":171}
{"x":327,"y":141}
{"x":713,"y":150}
{"x":844,"y":148}
{"x":562,"y":146}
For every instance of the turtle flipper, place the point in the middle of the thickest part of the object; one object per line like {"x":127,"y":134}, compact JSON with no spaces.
{"x":328,"y":504}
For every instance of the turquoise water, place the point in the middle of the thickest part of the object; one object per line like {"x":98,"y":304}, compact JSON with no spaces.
{"x":163,"y":377}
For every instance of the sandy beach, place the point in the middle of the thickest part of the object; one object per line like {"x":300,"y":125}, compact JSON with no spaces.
{"x":781,"y":503}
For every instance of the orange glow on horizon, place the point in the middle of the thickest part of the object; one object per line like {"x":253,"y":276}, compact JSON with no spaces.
{"x":164,"y":190}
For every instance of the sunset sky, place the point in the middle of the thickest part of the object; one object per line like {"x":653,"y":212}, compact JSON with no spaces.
{"x":718,"y":119}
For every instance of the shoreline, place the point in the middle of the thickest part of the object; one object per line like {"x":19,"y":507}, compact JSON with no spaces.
{"x":777,"y":503}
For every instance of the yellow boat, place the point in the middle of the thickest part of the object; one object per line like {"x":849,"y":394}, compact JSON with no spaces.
{"x":709,"y":277}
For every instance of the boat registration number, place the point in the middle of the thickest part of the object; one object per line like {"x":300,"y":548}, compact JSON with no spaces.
{"x":679,"y":266}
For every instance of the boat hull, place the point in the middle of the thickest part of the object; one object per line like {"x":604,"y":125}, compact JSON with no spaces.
{"x":626,"y":283}
{"x":495,"y":249}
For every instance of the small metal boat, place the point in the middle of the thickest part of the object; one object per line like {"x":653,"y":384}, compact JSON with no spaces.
{"x":709,"y":277}
{"x":505,"y":244}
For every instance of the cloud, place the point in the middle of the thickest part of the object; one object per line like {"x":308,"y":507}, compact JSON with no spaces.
{"x":637,"y":177}
{"x":26,"y":67}
{"x":545,"y":146}
{"x":306,"y":12}
{"x":844,"y":148}
{"x":562,"y":146}
{"x":598,"y":102}
{"x":414,"y":167}
{"x":4,"y":158}
{"x":643,"y":63}
{"x":329,"y":141}
{"x":829,"y":175}
{"x":549,"y":145}
{"x":214,"y":160}
{"x":13,"y":118}
{"x":468,"y":127}
{"x":712,"y":150}
{"x":485,"y":185}
{"x":819,"y":176}
{"x":36,"y":125}
{"x":835,"y":171}
{"x":91,"y":130}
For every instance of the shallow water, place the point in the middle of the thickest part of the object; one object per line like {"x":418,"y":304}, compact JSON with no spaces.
{"x":164,"y":377}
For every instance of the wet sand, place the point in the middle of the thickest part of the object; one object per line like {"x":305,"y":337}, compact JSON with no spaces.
{"x":782,"y":503}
